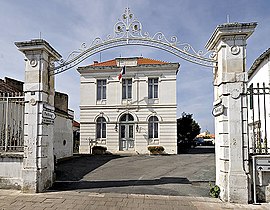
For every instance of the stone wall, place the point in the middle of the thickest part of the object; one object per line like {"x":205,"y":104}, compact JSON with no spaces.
{"x":63,"y":136}
{"x":11,"y":166}
{"x":63,"y":133}
{"x":61,"y":101}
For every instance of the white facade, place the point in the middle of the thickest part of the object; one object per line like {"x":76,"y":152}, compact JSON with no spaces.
{"x":127,"y":120}
{"x":259,"y":74}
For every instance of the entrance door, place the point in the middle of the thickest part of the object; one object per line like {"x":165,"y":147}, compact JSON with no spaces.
{"x":126,"y":135}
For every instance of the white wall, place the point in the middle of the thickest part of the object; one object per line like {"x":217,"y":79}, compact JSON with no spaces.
{"x":63,"y":132}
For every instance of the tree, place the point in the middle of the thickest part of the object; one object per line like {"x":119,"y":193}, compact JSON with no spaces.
{"x":187,"y":128}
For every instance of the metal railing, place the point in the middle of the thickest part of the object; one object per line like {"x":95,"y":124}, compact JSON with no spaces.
{"x":11,"y":122}
{"x":258,"y":105}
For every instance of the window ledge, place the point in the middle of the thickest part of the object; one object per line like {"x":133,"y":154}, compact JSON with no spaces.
{"x":127,"y":101}
{"x":11,"y":154}
{"x":153,"y":100}
{"x":153,"y":141}
{"x":101,"y":102}
{"x":101,"y":141}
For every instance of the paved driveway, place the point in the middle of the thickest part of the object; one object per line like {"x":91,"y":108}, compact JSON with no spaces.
{"x":183,"y":174}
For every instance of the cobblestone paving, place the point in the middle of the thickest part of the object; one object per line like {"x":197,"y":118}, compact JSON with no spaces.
{"x":15,"y":200}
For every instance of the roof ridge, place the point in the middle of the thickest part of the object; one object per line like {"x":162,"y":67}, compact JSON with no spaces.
{"x":112,"y":61}
{"x":140,"y":61}
{"x":7,"y":88}
{"x":258,"y":61}
{"x":153,"y":59}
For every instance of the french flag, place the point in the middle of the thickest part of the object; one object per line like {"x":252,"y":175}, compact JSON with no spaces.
{"x":123,"y":71}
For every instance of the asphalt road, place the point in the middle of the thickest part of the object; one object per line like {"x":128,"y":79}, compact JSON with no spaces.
{"x":180,"y":175}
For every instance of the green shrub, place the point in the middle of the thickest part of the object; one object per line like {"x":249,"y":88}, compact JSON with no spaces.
{"x":214,"y":190}
{"x":156,"y":149}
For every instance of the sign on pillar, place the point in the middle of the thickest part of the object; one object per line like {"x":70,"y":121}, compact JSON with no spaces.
{"x":38,"y":164}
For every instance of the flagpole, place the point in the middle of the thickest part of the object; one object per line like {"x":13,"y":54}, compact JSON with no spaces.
{"x":123,"y":71}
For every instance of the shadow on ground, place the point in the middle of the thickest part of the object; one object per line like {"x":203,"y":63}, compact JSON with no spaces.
{"x":186,"y":175}
{"x":78,"y":166}
{"x":70,"y":173}
{"x":71,"y":185}
{"x":198,"y":150}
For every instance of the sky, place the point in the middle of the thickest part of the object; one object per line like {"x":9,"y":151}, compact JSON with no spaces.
{"x":66,"y":24}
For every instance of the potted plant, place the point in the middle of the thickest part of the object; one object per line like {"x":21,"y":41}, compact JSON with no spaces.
{"x":156,"y":150}
{"x":99,"y":150}
{"x":214,"y":190}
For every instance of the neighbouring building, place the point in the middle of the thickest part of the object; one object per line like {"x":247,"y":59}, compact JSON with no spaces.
{"x":9,"y":86}
{"x":259,"y":122}
{"x":12,"y":147}
{"x":206,"y":134}
{"x":130,"y":113}
{"x":259,"y":106}
{"x":11,"y":93}
{"x":63,"y":130}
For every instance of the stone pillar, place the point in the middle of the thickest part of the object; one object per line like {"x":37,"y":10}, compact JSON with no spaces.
{"x":230,"y":78}
{"x":38,"y":164}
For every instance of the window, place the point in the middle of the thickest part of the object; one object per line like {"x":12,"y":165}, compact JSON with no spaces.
{"x":127,"y":126}
{"x":153,"y":127}
{"x":126,"y":118}
{"x":153,"y":88}
{"x":101,"y":89}
{"x":126,"y":88}
{"x":101,"y":128}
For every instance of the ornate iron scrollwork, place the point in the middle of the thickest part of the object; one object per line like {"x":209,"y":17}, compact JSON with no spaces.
{"x":128,"y":31}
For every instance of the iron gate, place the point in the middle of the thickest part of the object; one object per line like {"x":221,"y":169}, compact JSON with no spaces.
{"x":11,"y":122}
{"x":257,"y":102}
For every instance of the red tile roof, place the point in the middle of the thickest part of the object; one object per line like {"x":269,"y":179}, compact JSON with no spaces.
{"x":140,"y":61}
{"x":75,"y":124}
{"x":105,"y":63}
{"x":146,"y":61}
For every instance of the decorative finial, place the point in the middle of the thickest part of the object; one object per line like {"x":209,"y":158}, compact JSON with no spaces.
{"x":228,"y":18}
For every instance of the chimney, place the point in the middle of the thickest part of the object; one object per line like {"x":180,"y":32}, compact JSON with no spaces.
{"x":95,"y":62}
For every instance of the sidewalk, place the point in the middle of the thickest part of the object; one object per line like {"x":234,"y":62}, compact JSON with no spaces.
{"x":15,"y":200}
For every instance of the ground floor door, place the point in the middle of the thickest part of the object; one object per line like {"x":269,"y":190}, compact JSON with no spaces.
{"x":126,"y":137}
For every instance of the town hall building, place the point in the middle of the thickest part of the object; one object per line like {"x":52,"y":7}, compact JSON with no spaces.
{"x":128,"y":104}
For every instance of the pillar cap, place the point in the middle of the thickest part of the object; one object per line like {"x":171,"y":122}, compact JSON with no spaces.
{"x":230,"y":29}
{"x":38,"y":44}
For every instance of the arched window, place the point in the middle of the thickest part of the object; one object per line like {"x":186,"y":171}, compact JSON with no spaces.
{"x":101,"y":128}
{"x":153,"y":127}
{"x":126,"y":118}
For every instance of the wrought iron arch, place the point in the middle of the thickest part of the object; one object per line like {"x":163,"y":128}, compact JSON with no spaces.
{"x":128,"y":31}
